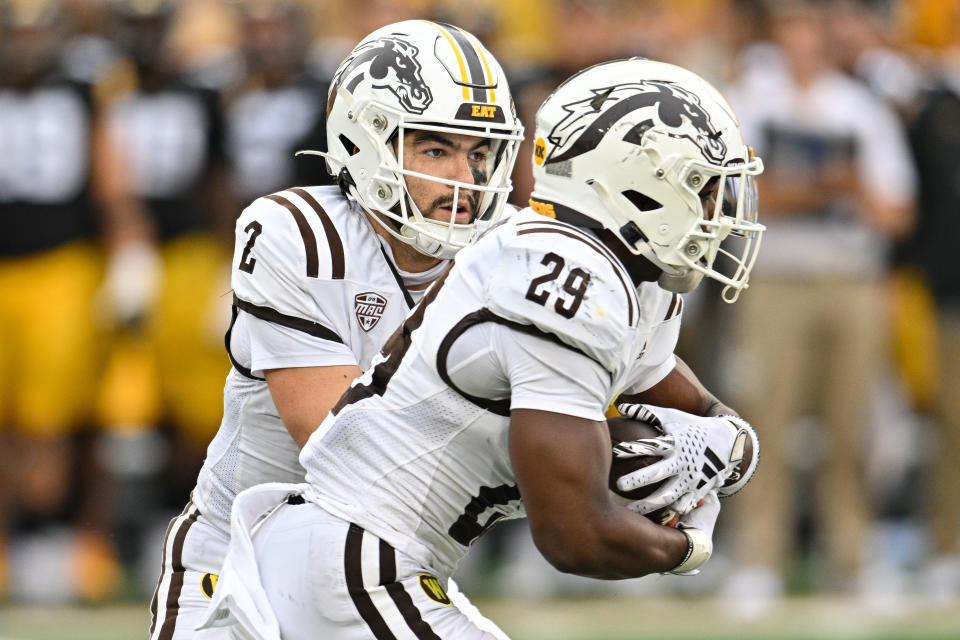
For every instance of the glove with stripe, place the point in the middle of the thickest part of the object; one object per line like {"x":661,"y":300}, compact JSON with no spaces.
{"x":698,"y":454}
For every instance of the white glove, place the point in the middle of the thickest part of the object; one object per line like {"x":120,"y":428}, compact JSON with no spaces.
{"x":742,"y":474}
{"x":131,"y":283}
{"x":698,"y":527}
{"x":698,"y":456}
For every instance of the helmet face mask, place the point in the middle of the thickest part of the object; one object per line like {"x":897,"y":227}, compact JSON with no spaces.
{"x":653,"y":153}
{"x":420,"y":76}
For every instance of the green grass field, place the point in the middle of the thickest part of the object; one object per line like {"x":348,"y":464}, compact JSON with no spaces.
{"x":573,"y":619}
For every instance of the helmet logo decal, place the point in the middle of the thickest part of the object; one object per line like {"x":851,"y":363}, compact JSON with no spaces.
{"x":394,"y":66}
{"x":677,"y":109}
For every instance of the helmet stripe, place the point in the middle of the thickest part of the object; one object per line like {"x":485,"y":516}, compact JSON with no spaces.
{"x":456,"y":51}
{"x":489,"y":76}
{"x":477,"y":80}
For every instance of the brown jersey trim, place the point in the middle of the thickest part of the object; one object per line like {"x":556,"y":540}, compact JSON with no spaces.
{"x":309,"y":240}
{"x":338,"y":268}
{"x":396,"y":276}
{"x":676,"y":306}
{"x":314,"y":329}
{"x":244,"y":371}
{"x":498,"y":407}
{"x":548,"y":226}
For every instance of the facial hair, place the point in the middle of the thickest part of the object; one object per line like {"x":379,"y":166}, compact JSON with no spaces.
{"x":473,"y":197}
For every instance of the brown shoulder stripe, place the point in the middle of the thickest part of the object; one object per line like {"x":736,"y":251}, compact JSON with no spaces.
{"x":333,"y":238}
{"x":309,"y":240}
{"x":602,"y":250}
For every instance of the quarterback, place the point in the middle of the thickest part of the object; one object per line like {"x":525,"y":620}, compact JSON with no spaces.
{"x":489,"y":402}
{"x":422,"y":138}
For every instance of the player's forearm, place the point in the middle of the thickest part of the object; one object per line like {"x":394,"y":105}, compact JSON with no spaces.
{"x":616,"y":545}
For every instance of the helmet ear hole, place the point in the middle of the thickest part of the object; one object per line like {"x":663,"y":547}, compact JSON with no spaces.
{"x":635,"y":134}
{"x":348,"y":145}
{"x":642,"y":201}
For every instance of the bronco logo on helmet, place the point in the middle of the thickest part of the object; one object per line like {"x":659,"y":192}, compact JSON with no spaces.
{"x":676,"y":108}
{"x":393,"y":66}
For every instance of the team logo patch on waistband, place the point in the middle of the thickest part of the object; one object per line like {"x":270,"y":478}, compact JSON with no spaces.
{"x":369,"y":308}
{"x":431,"y":587}
{"x":208,"y":583}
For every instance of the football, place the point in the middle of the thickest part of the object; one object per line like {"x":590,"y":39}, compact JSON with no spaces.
{"x":624,"y":429}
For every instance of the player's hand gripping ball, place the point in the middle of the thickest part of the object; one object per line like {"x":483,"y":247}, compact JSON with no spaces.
{"x":626,"y":430}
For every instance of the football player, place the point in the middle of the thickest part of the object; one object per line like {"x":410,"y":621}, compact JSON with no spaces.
{"x":489,"y":403}
{"x":279,"y":107}
{"x":61,"y":179}
{"x":422,"y":139}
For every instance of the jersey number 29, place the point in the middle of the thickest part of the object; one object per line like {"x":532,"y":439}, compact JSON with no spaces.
{"x":575,"y":286}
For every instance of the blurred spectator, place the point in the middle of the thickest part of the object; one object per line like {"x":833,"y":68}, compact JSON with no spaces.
{"x":167,"y":364}
{"x":341,"y":23}
{"x":583,"y":32}
{"x":278,"y":109}
{"x":935,"y":134}
{"x":87,"y":54}
{"x":58,"y":166}
{"x":866,"y":45}
{"x":810,"y":332}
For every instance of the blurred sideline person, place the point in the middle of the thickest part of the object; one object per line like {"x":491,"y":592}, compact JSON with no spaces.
{"x":59,"y":173}
{"x":810,"y":339}
{"x":166,"y":364}
{"x":422,"y":139}
{"x":935,"y":135}
{"x":278,"y":108}
{"x":495,"y":386}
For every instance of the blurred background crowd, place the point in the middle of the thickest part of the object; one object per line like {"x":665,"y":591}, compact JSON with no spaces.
{"x":133,"y":132}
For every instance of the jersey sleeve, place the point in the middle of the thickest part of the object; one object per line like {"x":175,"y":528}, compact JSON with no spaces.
{"x":278,"y":275}
{"x":495,"y":362}
{"x":273,"y":346}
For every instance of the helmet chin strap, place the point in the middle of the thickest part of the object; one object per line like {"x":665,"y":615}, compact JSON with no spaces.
{"x":421,"y":243}
{"x":680,"y":284}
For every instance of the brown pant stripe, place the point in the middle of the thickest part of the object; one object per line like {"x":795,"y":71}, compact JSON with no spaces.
{"x":179,"y":528}
{"x":163,"y":565}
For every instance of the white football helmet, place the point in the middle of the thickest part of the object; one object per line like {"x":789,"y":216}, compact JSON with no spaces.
{"x":653,"y":153}
{"x":428,"y":76}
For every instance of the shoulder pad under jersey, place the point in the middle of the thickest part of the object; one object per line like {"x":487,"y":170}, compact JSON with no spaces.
{"x":566,"y":284}
{"x":285,"y":242}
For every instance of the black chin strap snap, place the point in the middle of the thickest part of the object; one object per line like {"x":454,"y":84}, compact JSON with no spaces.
{"x":632,"y":234}
{"x":345,"y":181}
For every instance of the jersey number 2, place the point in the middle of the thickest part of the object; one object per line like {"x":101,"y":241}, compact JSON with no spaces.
{"x":246,"y":262}
{"x":575,"y":286}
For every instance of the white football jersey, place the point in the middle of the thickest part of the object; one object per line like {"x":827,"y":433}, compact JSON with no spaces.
{"x":536,"y":314}
{"x":313,"y":286}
